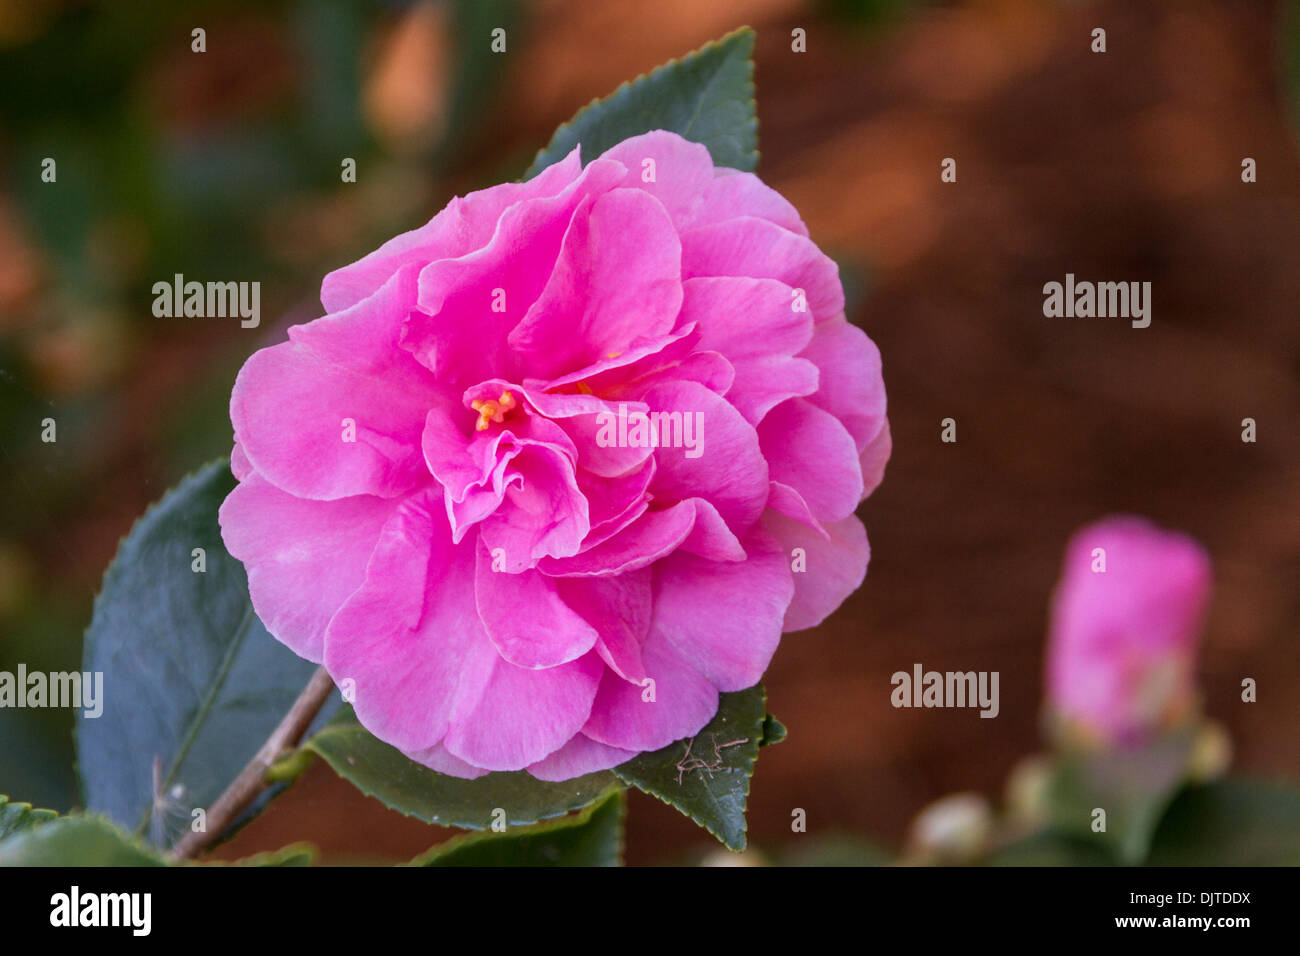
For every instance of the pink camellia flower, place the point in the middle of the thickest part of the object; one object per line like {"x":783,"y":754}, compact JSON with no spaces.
{"x":449,"y":494}
{"x":1126,"y":623}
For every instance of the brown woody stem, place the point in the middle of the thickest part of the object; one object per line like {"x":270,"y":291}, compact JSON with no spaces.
{"x":252,"y":780}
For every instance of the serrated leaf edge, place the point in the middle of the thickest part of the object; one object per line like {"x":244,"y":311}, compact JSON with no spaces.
{"x":102,"y":820}
{"x":744,"y":808}
{"x":160,"y":857}
{"x":99,"y":594}
{"x":41,"y":814}
{"x":533,"y":169}
{"x":563,"y":822}
{"x":335,"y":730}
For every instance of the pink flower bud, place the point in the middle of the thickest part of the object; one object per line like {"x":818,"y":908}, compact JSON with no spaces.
{"x":1126,"y":620}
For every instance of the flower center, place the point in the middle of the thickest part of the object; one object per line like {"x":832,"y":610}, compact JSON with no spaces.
{"x":492,"y":411}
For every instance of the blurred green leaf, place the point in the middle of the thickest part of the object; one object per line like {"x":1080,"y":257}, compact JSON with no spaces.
{"x":76,"y":841}
{"x":1049,"y":849}
{"x":592,"y":837}
{"x":82,"y":840}
{"x":773,"y":732}
{"x":20,"y":816}
{"x":192,"y":680}
{"x":706,"y":96}
{"x":397,"y":781}
{"x":841,"y":849}
{"x":1133,"y":786}
{"x":295,"y":854}
{"x":36,"y":746}
{"x":707,"y":776}
{"x":855,"y":277}
{"x":332,"y":39}
{"x":477,"y":72}
{"x":1231,"y":822}
{"x":870,"y":13}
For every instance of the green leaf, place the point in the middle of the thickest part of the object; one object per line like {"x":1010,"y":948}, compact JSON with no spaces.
{"x":592,"y":837}
{"x":388,"y":775}
{"x":707,"y":776}
{"x":706,"y":96}
{"x":773,"y":732}
{"x":1133,"y":786}
{"x":476,"y":73}
{"x":1049,"y":849}
{"x":76,"y":841}
{"x":295,"y":854}
{"x":84,"y":840}
{"x":20,"y":816}
{"x":833,"y":849}
{"x":192,"y":682}
{"x":1232,"y":822}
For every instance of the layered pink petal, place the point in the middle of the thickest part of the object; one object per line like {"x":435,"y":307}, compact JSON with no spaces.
{"x":600,"y":456}
{"x":763,"y":383}
{"x":526,"y":619}
{"x":753,"y":247}
{"x":678,"y":703}
{"x":726,"y":468}
{"x":521,"y":716}
{"x":617,"y":282}
{"x":851,"y":387}
{"x":746,"y":318}
{"x":809,"y":450}
{"x":681,"y":175}
{"x":545,"y":514}
{"x":676,"y":171}
{"x":463,"y":225}
{"x":735,"y":193}
{"x":455,"y":455}
{"x":338,"y":409}
{"x":874,"y":458}
{"x":832,"y":565}
{"x":614,"y":503}
{"x":437,"y":758}
{"x":469,"y":305}
{"x":606,"y":373}
{"x":724,"y":619}
{"x":786,"y":501}
{"x":620,"y":608}
{"x":410,"y":637}
{"x":678,"y":361}
{"x":759,"y":325}
{"x":240,"y":466}
{"x":476,"y":468}
{"x":693,"y":524}
{"x":580,"y":756}
{"x":304,"y":558}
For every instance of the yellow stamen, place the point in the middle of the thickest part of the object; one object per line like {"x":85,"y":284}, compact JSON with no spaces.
{"x":490,"y":411}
